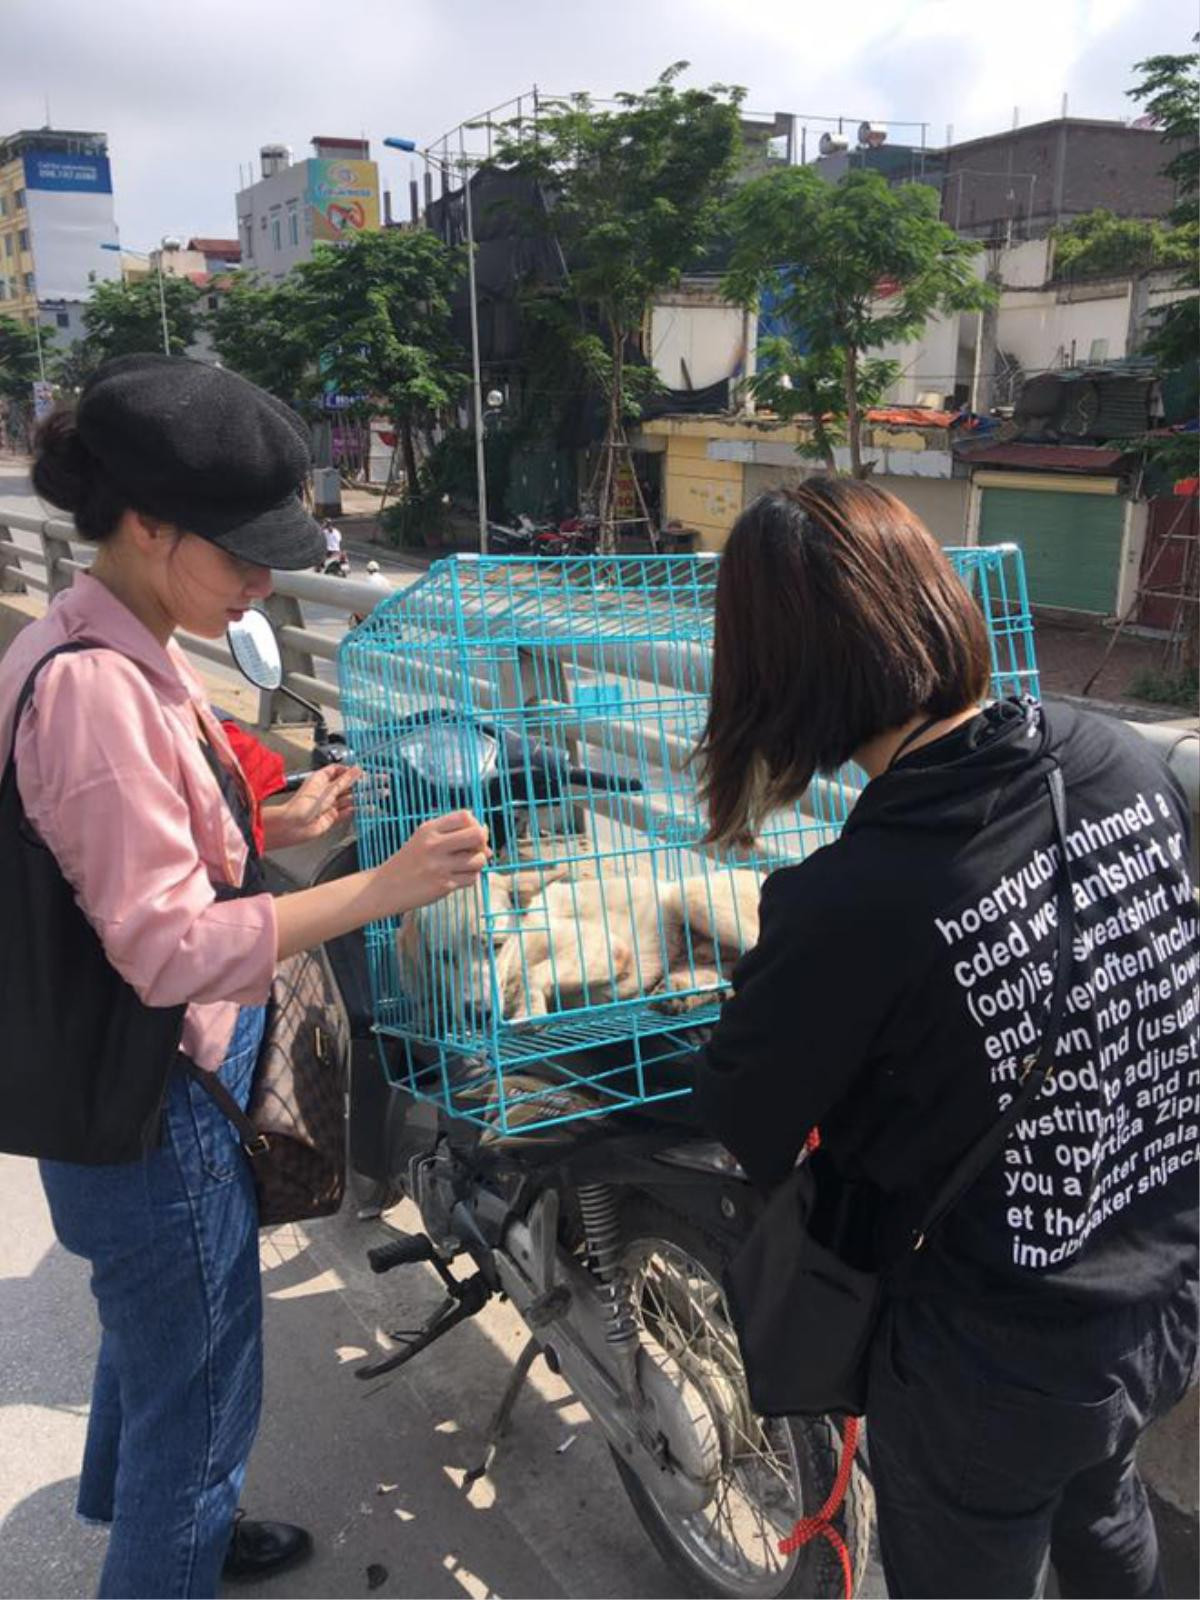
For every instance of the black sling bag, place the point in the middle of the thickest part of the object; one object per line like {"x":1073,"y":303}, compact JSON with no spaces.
{"x":83,"y":1063}
{"x":804,"y":1315}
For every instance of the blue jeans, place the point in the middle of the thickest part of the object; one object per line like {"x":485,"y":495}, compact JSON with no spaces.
{"x":173,"y":1245}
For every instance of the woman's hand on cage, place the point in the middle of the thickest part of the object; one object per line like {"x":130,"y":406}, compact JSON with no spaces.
{"x":446,"y":854}
{"x":443,"y":855}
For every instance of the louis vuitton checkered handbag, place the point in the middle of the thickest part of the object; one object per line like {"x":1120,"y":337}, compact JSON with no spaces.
{"x":294,"y":1128}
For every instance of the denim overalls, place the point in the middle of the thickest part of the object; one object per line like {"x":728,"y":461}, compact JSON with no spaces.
{"x":173,"y":1245}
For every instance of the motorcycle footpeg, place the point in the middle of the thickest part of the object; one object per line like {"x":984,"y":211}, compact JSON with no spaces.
{"x":403,"y":1251}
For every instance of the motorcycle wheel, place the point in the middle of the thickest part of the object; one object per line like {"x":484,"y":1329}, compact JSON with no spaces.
{"x":773,"y":1470}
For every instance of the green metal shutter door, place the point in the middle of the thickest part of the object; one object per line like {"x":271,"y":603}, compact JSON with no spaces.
{"x":1071,"y":543}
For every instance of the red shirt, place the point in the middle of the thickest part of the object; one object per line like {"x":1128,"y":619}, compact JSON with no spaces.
{"x":262,"y":769}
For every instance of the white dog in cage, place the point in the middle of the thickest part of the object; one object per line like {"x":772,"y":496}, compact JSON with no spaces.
{"x":557,"y":940}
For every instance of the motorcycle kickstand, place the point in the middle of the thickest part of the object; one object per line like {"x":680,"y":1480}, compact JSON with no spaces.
{"x":501,"y":1417}
{"x":467,"y":1300}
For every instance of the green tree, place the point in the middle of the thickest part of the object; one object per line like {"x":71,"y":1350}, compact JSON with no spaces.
{"x":19,"y":367}
{"x":812,"y":387}
{"x":633,"y":198}
{"x":71,"y":368}
{"x":1170,"y":93}
{"x":374,"y":316}
{"x":18,"y":359}
{"x":124,"y":319}
{"x":255,"y":331}
{"x":852,"y":267}
{"x":1100,"y":244}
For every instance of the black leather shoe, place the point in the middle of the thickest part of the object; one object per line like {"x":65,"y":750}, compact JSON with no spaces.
{"x":261,"y":1549}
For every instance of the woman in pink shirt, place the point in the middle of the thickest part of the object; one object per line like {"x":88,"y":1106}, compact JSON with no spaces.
{"x":188,"y":479}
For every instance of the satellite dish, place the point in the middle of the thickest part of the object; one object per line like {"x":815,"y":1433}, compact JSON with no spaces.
{"x":832,"y":144}
{"x":871,"y":135}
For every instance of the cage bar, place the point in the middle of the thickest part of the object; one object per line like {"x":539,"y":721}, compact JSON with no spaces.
{"x":559,"y":699}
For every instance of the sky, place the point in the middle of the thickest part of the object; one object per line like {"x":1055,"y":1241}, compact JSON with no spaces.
{"x":187,"y":90}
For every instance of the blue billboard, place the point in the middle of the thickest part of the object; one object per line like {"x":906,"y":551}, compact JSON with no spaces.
{"x":54,"y":169}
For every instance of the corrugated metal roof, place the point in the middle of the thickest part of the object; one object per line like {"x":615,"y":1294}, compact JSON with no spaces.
{"x":1118,"y":367}
{"x":1045,"y":457}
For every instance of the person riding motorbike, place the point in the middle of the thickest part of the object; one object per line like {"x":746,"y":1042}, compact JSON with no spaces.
{"x":377,"y":580}
{"x":335,"y":563}
{"x":188,"y":480}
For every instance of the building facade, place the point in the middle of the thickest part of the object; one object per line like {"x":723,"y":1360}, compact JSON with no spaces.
{"x":56,"y":212}
{"x":298,"y":204}
{"x":1020,"y":184}
{"x":1072,"y":510}
{"x":198,"y":259}
{"x":1042,"y":322}
{"x":714,"y":466}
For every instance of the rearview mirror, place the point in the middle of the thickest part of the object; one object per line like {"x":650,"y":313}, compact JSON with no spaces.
{"x":255,"y":648}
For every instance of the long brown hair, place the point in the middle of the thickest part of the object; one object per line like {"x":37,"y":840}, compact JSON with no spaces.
{"x":838,"y":617}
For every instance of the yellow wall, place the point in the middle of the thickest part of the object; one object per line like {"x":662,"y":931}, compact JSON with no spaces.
{"x":702,"y":494}
{"x":708,"y":495}
{"x":15,"y":266}
{"x":941,"y":503}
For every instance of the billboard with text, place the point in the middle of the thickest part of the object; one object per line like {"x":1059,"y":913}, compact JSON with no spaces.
{"x":67,"y":174}
{"x":342,"y":197}
{"x":70,"y":207}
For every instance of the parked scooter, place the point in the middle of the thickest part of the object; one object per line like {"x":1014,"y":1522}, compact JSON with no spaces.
{"x":609,"y":1236}
{"x":525,"y":538}
{"x":573,"y":536}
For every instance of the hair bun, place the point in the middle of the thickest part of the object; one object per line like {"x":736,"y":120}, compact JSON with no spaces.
{"x":63,"y":466}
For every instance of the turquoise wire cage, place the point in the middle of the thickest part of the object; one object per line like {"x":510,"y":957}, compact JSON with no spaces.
{"x":604,"y":931}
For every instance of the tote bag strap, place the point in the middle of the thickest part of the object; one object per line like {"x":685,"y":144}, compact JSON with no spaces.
{"x":1039,"y":1066}
{"x":28,"y":687}
{"x":254,"y":1143}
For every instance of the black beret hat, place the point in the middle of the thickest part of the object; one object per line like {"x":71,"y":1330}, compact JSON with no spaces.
{"x":206,"y":450}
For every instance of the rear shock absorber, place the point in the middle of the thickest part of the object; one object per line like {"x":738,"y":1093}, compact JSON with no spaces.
{"x":602,"y":1229}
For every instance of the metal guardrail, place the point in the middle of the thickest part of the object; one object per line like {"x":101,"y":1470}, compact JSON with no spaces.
{"x":60,"y":555}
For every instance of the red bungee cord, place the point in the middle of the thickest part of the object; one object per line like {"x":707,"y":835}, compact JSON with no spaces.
{"x":808,"y":1528}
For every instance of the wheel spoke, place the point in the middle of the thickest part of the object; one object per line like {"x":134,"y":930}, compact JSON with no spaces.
{"x":682,"y":1315}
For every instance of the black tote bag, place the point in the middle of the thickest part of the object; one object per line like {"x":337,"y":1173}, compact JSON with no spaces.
{"x":805,"y":1313}
{"x":83,"y":1063}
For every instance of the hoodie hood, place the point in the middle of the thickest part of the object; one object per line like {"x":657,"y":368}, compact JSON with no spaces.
{"x":957,"y":780}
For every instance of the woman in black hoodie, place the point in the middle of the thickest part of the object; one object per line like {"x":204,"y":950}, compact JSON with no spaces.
{"x":898,"y":986}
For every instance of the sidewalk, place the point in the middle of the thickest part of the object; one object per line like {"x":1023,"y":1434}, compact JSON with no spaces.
{"x":374,"y":1471}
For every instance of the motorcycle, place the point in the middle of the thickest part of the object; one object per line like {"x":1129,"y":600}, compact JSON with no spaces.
{"x":337,"y":565}
{"x":574,"y":536}
{"x":580,"y":535}
{"x":527,"y":538}
{"x":609,"y":1236}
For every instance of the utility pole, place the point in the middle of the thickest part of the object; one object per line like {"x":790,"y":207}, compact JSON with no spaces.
{"x":476,"y":373}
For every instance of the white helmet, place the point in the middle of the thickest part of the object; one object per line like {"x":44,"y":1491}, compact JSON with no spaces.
{"x":372,"y":566}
